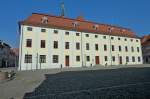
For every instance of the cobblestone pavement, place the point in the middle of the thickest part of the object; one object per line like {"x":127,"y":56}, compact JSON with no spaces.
{"x":85,"y":82}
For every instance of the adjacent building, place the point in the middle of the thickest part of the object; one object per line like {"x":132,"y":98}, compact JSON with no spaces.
{"x":146,"y":48}
{"x":8,"y":58}
{"x":48,"y":41}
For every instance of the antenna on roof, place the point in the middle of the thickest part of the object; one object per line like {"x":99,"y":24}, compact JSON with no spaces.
{"x":62,"y":8}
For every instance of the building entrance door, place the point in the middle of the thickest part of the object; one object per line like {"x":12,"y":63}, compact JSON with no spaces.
{"x":67,"y":61}
{"x":96,"y":60}
{"x":120,"y":60}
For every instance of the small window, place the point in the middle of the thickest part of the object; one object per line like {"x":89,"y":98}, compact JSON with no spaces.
{"x":131,"y":40}
{"x":43,"y":30}
{"x":113,"y":58}
{"x":113,"y":48}
{"x":88,"y":58}
{"x":125,"y":39}
{"x":133,"y":59}
{"x":67,"y":45}
{"x":105,"y":47}
{"x":96,"y":47}
{"x":28,"y":58}
{"x":77,"y":34}
{"x":104,"y":37}
{"x":138,"y":50}
{"x":42,"y":59}
{"x":29,"y":43}
{"x":87,"y":35}
{"x":106,"y":58}
{"x":87,"y":46}
{"x":137,"y":40}
{"x":119,"y":38}
{"x":55,"y":44}
{"x":29,"y":28}
{"x":42,"y":43}
{"x":127,"y":59}
{"x":56,"y":31}
{"x":139,"y":59}
{"x":96,"y":36}
{"x":112,"y":38}
{"x":78,"y":46}
{"x":67,"y":33}
{"x":55,"y":59}
{"x":77,"y":58}
{"x":132,"y":49}
{"x":119,"y":48}
{"x":126,"y":48}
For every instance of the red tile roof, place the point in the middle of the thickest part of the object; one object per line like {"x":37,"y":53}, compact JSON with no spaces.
{"x":146,"y":40}
{"x":82,"y":25}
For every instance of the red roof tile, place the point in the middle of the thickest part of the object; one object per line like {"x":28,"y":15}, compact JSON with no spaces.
{"x":83,"y":26}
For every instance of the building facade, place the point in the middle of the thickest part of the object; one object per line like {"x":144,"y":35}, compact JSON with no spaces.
{"x":8,"y":58}
{"x":146,"y":48}
{"x":55,"y":42}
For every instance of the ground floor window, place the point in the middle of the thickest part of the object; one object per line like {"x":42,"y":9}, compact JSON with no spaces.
{"x":127,"y":59}
{"x":28,"y":58}
{"x":106,"y":59}
{"x":55,"y":58}
{"x":88,"y":58}
{"x":133,"y":59}
{"x":77,"y":58}
{"x":42,"y":58}
{"x":139,"y":59}
{"x":113,"y":58}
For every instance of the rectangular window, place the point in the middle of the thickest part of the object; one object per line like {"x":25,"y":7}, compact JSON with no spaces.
{"x":132,"y":49}
{"x":106,"y":58}
{"x":67,"y":33}
{"x":87,"y":58}
{"x":133,"y":59}
{"x":96,"y":36}
{"x":113,"y":48}
{"x":125,"y":39}
{"x":55,"y":44}
{"x":42,"y":43}
{"x":87,"y":46}
{"x":138,"y":50}
{"x":113,"y":58}
{"x":29,"y":43}
{"x":105,"y":47}
{"x":96,"y":47}
{"x":77,"y":34}
{"x":119,"y":48}
{"x":29,"y":28}
{"x":66,"y":45}
{"x":104,"y":37}
{"x":126,"y":48}
{"x":43,"y":30}
{"x":139,"y":59}
{"x":56,"y":31}
{"x":87,"y":35}
{"x":78,"y":46}
{"x":127,"y":59}
{"x":137,"y":40}
{"x":112,"y":38}
{"x":42,"y":59}
{"x":77,"y":58}
{"x":28,"y":58}
{"x":131,"y":40}
{"x":55,"y":58}
{"x":119,"y":38}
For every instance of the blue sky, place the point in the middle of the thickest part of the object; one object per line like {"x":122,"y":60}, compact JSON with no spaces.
{"x":133,"y":14}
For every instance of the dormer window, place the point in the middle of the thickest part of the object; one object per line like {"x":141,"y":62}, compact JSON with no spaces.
{"x":44,"y":20}
{"x":75,"y":24}
{"x":95,"y":27}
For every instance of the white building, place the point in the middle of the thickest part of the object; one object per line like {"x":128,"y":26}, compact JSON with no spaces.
{"x":53,"y":42}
